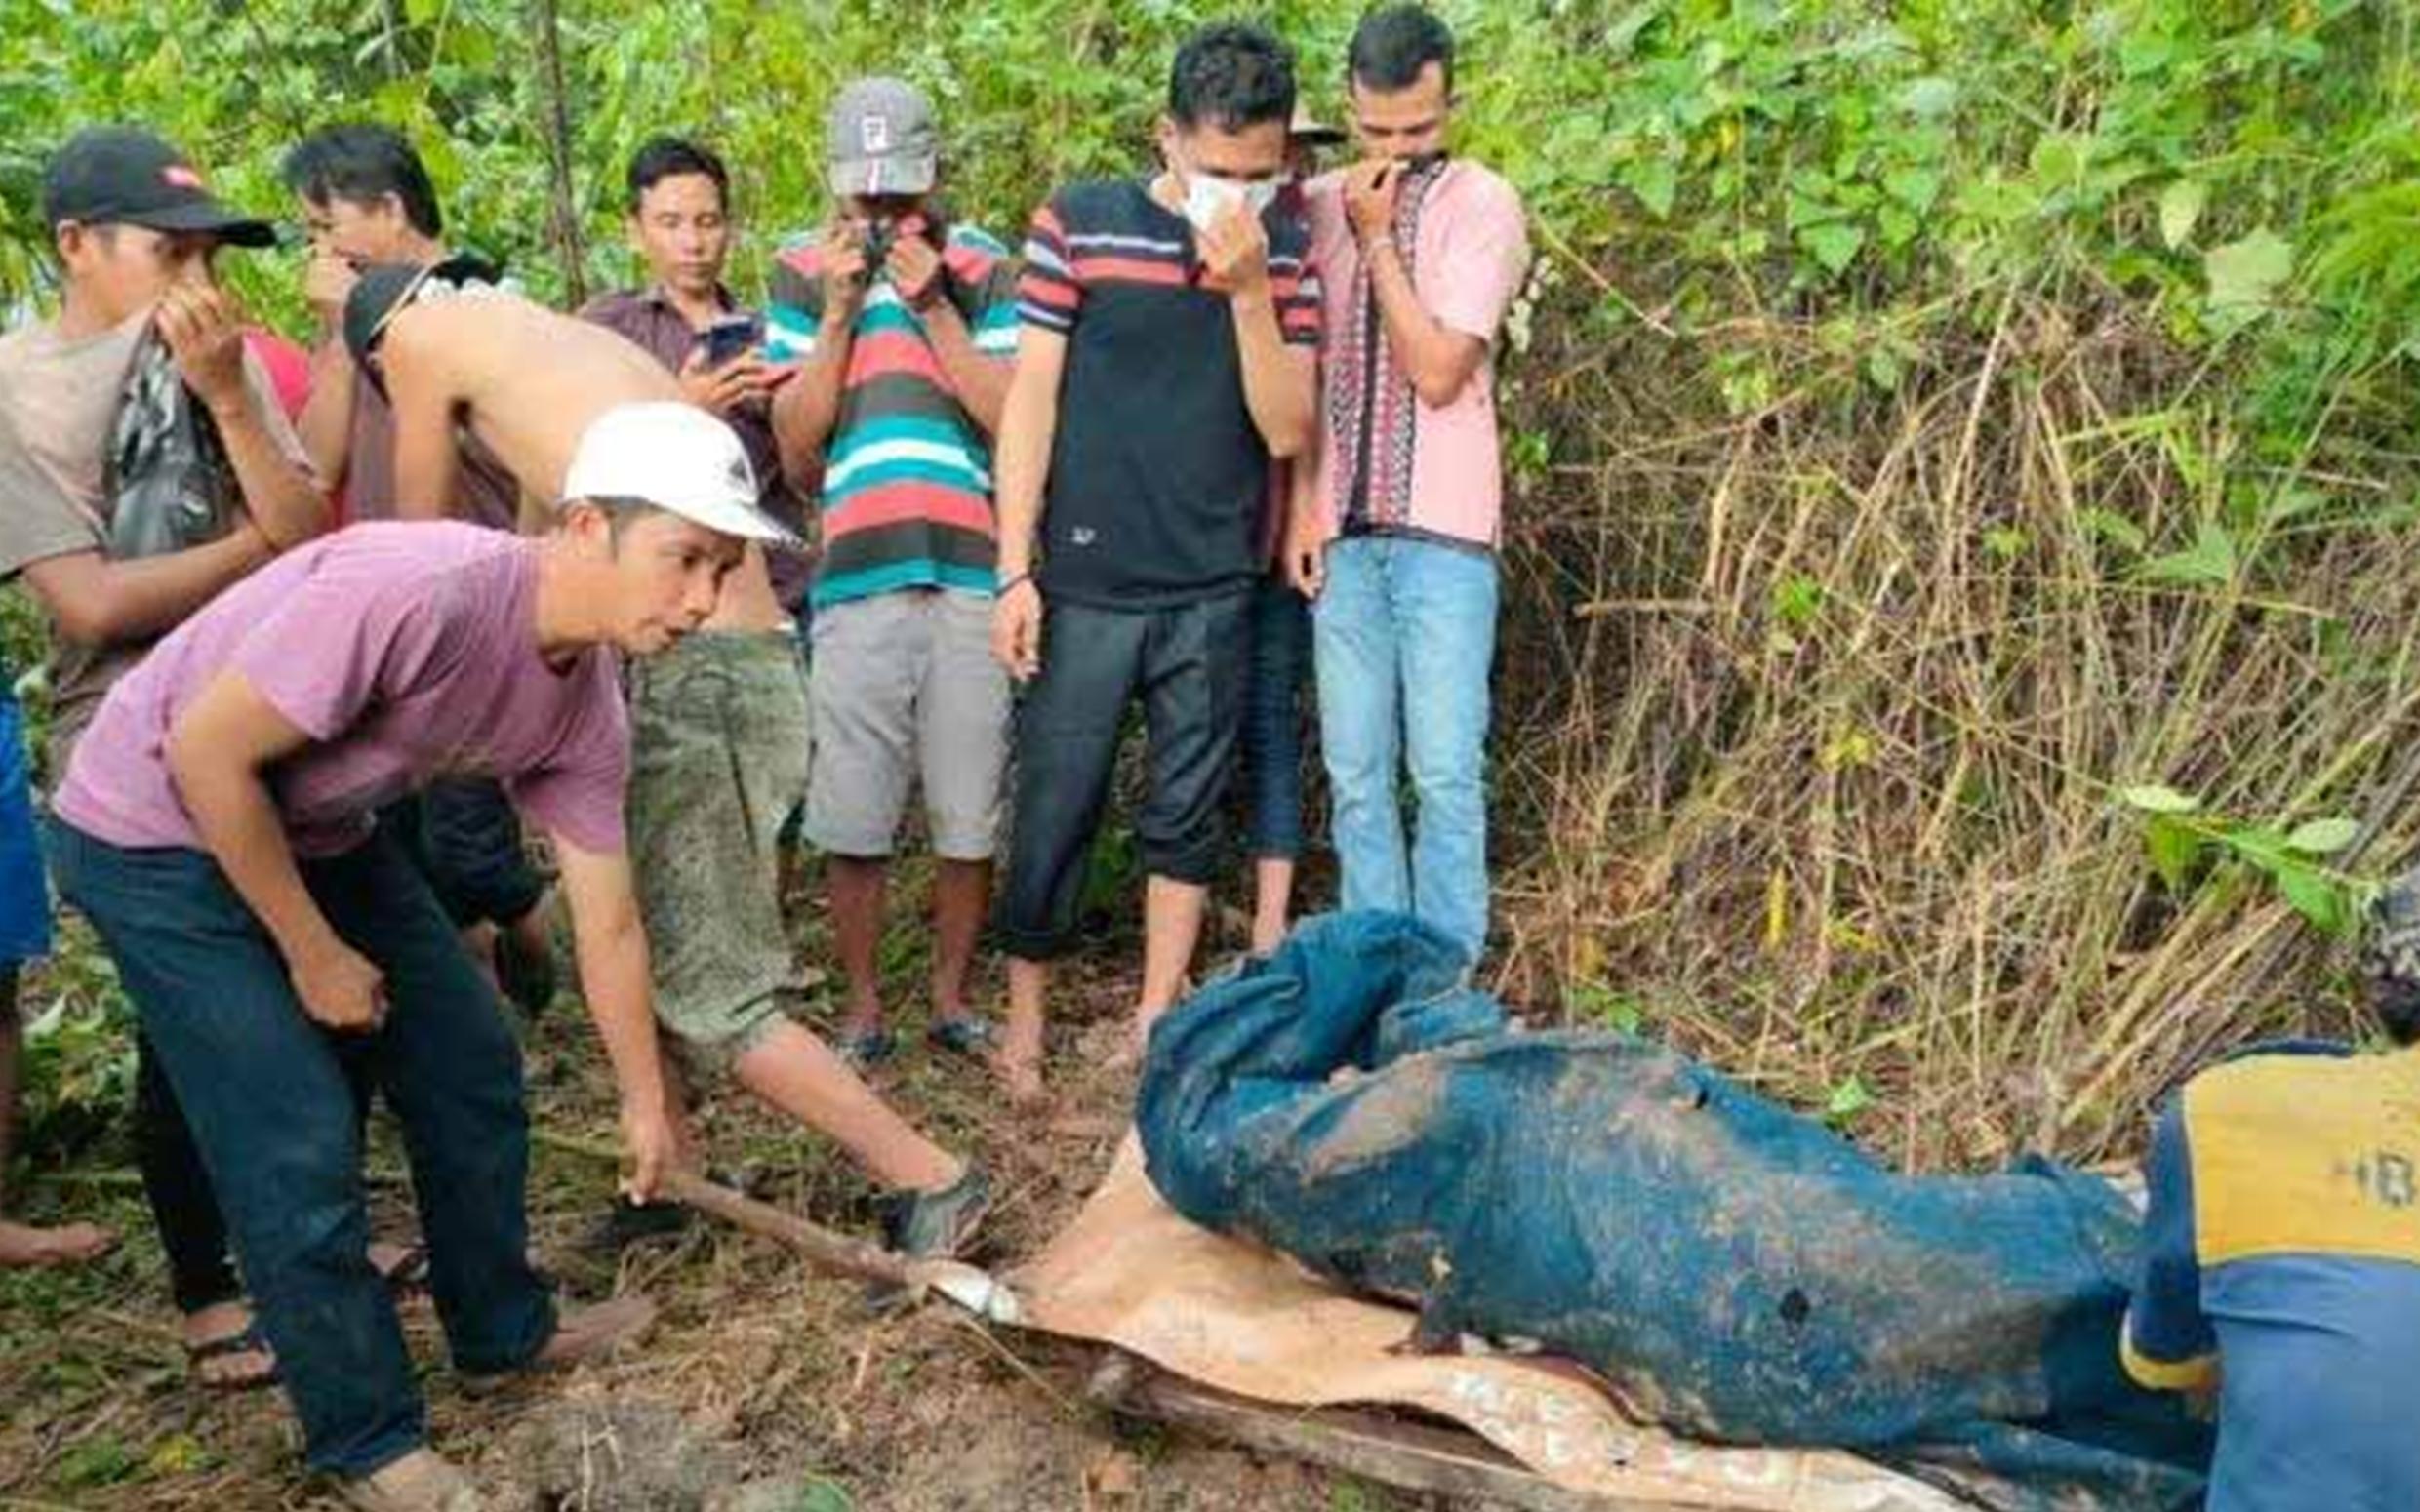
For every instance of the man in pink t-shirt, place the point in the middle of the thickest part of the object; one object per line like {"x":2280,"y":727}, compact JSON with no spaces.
{"x":216,"y":826}
{"x":1419,"y":255}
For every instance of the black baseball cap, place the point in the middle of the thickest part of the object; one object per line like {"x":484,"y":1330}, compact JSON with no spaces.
{"x":125,"y":176}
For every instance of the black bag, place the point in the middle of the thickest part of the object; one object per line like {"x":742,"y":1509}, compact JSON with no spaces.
{"x":169,"y":483}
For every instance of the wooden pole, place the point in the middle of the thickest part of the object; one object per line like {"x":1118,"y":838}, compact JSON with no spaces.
{"x":547,"y":24}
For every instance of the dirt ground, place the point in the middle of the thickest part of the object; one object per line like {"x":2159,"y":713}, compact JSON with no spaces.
{"x":765,"y":1388}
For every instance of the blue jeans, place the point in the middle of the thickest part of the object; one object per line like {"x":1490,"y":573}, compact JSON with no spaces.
{"x":1403,"y":634}
{"x":1272,"y":721}
{"x":266,"y":1094}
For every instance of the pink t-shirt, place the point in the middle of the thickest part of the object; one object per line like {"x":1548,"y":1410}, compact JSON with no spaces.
{"x":1467,"y":262}
{"x":406,"y":652}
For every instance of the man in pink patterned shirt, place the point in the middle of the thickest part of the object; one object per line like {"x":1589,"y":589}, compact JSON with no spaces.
{"x":1419,"y":255}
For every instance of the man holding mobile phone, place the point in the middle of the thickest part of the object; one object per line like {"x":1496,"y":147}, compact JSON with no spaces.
{"x":1420,"y":253}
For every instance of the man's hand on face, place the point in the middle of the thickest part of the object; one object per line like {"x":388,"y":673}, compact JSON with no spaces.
{"x":1370,"y":191}
{"x":844,"y":269}
{"x":205,"y":334}
{"x":1234,"y":252}
{"x":727,"y":387}
{"x":327,"y":283}
{"x":341,"y":989}
{"x":916,"y":268}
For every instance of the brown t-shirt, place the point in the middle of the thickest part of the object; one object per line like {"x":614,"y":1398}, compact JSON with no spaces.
{"x":486,"y":493}
{"x":58,"y":401}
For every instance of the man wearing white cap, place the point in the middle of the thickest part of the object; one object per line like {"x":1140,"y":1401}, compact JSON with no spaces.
{"x":218,"y":831}
{"x":521,"y":377}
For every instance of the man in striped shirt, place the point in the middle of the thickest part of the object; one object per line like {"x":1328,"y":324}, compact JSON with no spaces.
{"x":1170,"y":327}
{"x":904,"y":325}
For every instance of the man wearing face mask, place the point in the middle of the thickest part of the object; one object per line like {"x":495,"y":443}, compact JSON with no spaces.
{"x":1166,"y":358}
{"x":1420,"y":253}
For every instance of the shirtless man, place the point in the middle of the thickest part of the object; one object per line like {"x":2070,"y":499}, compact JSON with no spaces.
{"x":526,"y":383}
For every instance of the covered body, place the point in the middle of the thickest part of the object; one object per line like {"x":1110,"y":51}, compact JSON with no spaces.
{"x":1735,"y":1271}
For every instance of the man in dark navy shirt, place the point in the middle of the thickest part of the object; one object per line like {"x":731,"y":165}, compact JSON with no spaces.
{"x":1170,"y":326}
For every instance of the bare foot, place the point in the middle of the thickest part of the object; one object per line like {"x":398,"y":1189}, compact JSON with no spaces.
{"x":1021,"y":1076}
{"x":69,"y":1243}
{"x":225,"y":1351}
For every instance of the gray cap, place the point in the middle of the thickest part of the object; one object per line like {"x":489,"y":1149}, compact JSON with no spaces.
{"x":880,"y":139}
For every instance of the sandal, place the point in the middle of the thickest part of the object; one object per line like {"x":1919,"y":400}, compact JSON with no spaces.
{"x":246,"y":1342}
{"x":863,"y":1049}
{"x":964,"y":1035}
{"x":407,"y":1273}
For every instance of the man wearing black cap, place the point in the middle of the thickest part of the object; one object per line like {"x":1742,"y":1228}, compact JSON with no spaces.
{"x":135,"y":231}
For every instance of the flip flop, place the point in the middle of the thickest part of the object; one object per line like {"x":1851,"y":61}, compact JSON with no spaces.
{"x":247,"y":1341}
{"x":407,"y":1274}
{"x":866,"y":1048}
{"x":964,"y":1035}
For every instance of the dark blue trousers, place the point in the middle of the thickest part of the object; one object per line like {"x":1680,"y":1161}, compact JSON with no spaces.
{"x":266,"y":1093}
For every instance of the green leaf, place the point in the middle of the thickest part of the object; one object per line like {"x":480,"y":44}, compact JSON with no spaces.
{"x":2115,"y":529}
{"x":2210,"y":561}
{"x":2315,"y":897}
{"x":1622,"y":34}
{"x":1655,"y":181}
{"x":2244,"y":275}
{"x":2175,"y":849}
{"x":1849,"y":1098}
{"x":1835,"y":245}
{"x":2158,"y":798}
{"x":1914,"y":187}
{"x":2323,"y":837}
{"x":2180,"y":209}
{"x":1930,"y":98}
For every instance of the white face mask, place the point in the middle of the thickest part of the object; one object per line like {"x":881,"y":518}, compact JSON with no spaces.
{"x":1207,"y":196}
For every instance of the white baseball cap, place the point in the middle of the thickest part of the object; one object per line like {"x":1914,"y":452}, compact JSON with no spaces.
{"x":677,"y":457}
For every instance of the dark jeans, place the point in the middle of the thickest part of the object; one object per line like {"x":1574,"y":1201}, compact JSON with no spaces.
{"x":1188,"y":664}
{"x":274,"y":1113}
{"x":465,"y":836}
{"x":201,"y":1273}
{"x":1272,"y":721}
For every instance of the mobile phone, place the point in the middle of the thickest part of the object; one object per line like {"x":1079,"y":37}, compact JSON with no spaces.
{"x":731,"y":338}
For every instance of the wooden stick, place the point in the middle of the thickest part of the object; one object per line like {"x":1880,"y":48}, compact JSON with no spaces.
{"x":1407,"y":1456}
{"x":820,"y":1247}
{"x":976,"y":1289}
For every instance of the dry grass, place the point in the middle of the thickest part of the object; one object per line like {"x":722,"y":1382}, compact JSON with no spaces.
{"x":1816,"y":715}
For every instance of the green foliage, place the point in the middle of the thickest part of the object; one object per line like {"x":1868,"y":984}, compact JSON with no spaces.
{"x":2182,"y":844}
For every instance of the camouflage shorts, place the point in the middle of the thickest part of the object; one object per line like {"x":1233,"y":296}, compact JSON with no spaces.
{"x":718,"y":765}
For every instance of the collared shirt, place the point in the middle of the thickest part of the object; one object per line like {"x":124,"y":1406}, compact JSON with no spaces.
{"x":1158,"y":473}
{"x":649,"y":318}
{"x":906,"y":472}
{"x":2284,"y":1240}
{"x":1416,"y":469}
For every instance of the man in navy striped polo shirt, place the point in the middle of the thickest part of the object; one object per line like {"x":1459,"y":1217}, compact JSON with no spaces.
{"x":1168,"y":353}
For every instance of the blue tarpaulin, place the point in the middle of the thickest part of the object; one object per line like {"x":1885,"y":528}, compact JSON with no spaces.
{"x":1735,"y":1271}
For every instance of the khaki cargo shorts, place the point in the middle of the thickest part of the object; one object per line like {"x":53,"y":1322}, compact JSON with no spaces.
{"x":718,"y":765}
